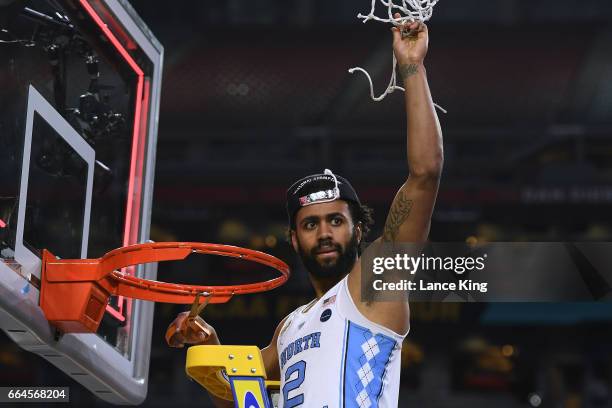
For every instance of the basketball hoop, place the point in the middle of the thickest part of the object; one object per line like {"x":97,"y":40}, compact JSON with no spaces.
{"x":75,"y":292}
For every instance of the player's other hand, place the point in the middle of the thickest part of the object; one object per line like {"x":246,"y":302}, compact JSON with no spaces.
{"x":183,"y":331}
{"x":411,"y":47}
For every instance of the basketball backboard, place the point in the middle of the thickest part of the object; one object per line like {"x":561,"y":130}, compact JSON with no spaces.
{"x":80,"y":86}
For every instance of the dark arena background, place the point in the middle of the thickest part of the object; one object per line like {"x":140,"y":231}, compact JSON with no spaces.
{"x":256,"y":94}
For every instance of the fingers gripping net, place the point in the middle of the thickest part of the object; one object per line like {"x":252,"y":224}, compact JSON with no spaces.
{"x":410,"y":10}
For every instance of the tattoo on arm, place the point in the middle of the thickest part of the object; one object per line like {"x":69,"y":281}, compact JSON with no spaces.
{"x":400,"y":210}
{"x":408,"y":70}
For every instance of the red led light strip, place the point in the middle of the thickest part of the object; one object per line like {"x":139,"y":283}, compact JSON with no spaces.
{"x":2,"y":224}
{"x":132,"y":214}
{"x":141,"y":152}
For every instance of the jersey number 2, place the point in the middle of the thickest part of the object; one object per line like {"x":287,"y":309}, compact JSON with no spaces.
{"x":300,"y":367}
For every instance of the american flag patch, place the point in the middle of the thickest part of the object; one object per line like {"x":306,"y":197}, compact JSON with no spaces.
{"x":329,"y":300}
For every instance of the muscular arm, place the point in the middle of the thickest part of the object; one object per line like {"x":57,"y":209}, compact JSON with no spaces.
{"x":409,"y":217}
{"x":410,"y":213}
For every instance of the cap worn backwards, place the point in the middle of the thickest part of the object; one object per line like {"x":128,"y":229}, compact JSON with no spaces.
{"x":316,"y":189}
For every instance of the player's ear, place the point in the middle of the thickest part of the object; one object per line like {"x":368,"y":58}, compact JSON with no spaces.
{"x":359,"y":232}
{"x":294,"y":243}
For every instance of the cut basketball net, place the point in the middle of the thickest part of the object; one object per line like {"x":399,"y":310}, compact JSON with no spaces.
{"x":412,"y":10}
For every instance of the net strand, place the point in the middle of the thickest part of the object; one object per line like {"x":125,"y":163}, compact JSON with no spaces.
{"x":412,"y":10}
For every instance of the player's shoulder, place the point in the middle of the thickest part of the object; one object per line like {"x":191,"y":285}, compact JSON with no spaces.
{"x":284,"y":323}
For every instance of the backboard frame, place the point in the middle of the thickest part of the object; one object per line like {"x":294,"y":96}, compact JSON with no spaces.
{"x":112,"y":376}
{"x":38,"y":104}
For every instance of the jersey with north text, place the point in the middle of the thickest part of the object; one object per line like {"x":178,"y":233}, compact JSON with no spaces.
{"x":331,"y":356}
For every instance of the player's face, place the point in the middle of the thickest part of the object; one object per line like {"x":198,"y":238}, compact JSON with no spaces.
{"x":326,"y":239}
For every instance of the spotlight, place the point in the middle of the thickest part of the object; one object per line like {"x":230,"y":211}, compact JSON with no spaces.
{"x":534,"y":399}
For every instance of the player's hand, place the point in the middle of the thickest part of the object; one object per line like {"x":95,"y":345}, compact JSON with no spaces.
{"x":411,"y":47}
{"x":183,"y":331}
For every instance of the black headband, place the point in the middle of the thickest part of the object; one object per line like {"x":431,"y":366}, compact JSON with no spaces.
{"x":318,"y":188}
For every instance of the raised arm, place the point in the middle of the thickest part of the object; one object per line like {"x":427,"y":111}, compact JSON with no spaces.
{"x":410,"y":213}
{"x":409,"y":217}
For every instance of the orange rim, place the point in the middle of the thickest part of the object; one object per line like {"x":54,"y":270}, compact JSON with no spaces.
{"x":105,"y":271}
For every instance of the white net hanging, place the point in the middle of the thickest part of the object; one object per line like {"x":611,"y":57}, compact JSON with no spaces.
{"x":410,"y":10}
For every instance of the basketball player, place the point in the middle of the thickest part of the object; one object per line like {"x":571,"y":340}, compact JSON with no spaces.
{"x":337,"y":351}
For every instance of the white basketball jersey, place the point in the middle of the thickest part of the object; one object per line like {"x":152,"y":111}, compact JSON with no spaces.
{"x":331,"y":356}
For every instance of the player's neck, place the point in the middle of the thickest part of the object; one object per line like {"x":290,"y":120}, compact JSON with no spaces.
{"x":322,"y":285}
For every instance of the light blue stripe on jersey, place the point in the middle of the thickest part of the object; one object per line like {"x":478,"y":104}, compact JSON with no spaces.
{"x":341,"y":391}
{"x":367,"y":357}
